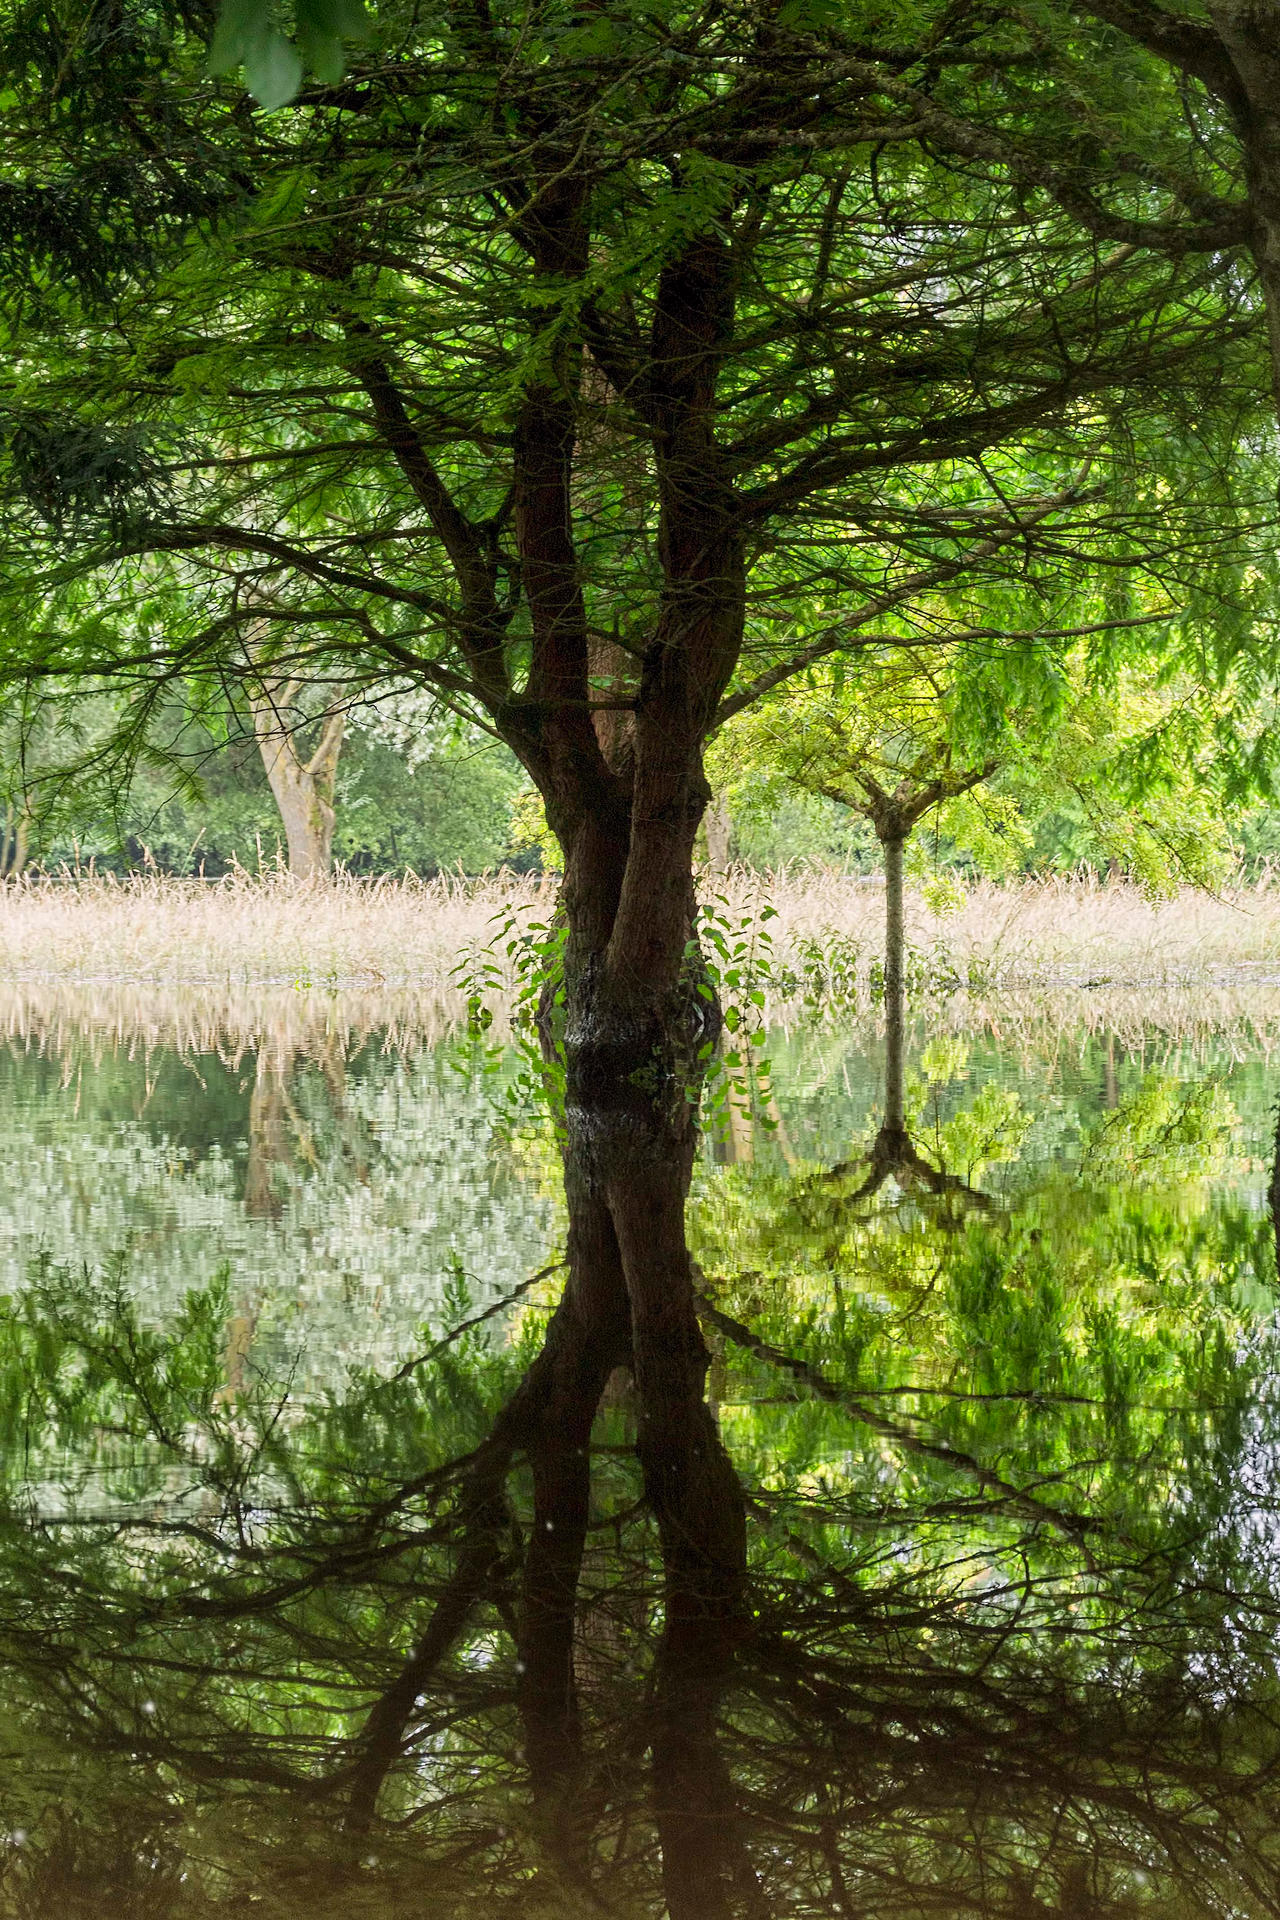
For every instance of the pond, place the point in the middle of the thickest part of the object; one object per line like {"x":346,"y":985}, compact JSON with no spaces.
{"x":1000,"y":1388}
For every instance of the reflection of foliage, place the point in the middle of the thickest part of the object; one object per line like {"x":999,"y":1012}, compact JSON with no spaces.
{"x":1165,"y":1131}
{"x":993,"y":1621}
{"x":378,"y":1168}
{"x":1010,"y":1472}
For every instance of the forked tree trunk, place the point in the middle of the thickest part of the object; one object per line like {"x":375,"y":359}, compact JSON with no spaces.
{"x":303,"y":789}
{"x":614,"y":744}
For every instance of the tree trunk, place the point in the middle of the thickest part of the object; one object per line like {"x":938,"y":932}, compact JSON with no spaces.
{"x":630,"y":1016}
{"x":303,"y":789}
{"x":1250,"y":35}
{"x":719,"y":828}
{"x":13,"y":845}
{"x":894,"y":986}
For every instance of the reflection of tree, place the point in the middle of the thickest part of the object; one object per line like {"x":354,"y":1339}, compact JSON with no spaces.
{"x":270,"y":1145}
{"x":1007,"y":1648}
{"x":279,"y":1136}
{"x":894,"y":1155}
{"x":458,"y":1641}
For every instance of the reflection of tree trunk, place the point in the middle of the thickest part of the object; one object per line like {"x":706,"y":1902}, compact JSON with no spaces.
{"x":303,"y":789}
{"x":706,"y":1874}
{"x":894,"y":987}
{"x":742,"y":1134}
{"x":269,"y":1144}
{"x":240,"y":1331}
{"x":587,"y":1340}
{"x":270,"y":1147}
{"x":893,"y":1152}
{"x":629,"y":1300}
{"x":1273,"y":1194}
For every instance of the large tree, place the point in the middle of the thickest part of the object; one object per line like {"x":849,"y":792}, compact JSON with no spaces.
{"x":599,"y":369}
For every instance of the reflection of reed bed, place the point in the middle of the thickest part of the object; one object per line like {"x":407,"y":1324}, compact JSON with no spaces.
{"x":1243,"y":1021}
{"x":62,"y":1018}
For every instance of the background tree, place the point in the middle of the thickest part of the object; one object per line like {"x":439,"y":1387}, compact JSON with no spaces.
{"x":301,"y":779}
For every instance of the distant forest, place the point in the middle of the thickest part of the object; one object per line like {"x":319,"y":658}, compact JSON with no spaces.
{"x":432,"y":797}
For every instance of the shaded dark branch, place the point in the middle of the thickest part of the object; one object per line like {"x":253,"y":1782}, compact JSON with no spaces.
{"x":1187,"y":44}
{"x":481,"y":630}
{"x":620,"y":356}
{"x":1219,"y":223}
{"x":835,"y":640}
{"x":485,"y":1525}
{"x":500,"y":1305}
{"x":190,"y":539}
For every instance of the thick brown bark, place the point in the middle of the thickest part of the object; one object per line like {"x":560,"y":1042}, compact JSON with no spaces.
{"x":624,"y":793}
{"x":303,"y":789}
{"x":1249,"y":31}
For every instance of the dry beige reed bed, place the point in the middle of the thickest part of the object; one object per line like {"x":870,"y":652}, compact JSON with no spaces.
{"x":407,"y":936}
{"x":1056,"y":932}
{"x":385,"y":933}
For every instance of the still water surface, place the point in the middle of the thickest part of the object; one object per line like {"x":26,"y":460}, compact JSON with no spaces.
{"x":1003,"y":1398}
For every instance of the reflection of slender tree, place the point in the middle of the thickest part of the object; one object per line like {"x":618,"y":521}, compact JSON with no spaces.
{"x":893,"y":1152}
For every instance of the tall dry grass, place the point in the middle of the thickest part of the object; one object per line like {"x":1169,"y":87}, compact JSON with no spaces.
{"x":404,"y":936}
{"x":1025,"y":933}
{"x":385,"y":933}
